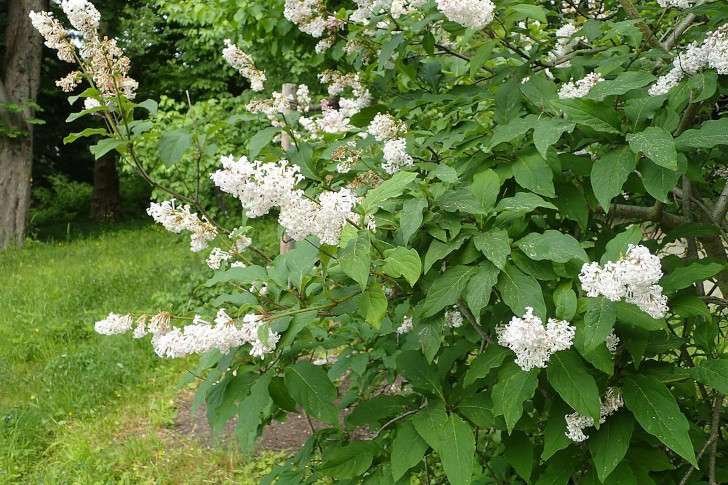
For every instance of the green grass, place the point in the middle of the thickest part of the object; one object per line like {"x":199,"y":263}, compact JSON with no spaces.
{"x":77,"y":407}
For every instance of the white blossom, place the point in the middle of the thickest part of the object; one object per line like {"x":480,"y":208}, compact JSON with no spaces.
{"x":56,"y":37}
{"x":217,"y":256}
{"x":396,"y":156}
{"x":114,"y":324}
{"x":575,"y":422}
{"x":82,"y":14}
{"x":580,"y":88}
{"x":674,"y":3}
{"x":453,"y":318}
{"x":244,"y":64}
{"x":406,"y":326}
{"x":385,"y":127}
{"x":612,"y":341}
{"x":468,"y":13}
{"x":177,"y":219}
{"x":634,"y":278}
{"x":532,"y":343}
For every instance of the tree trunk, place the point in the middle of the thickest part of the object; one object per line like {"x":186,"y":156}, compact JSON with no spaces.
{"x":105,"y":199}
{"x":19,"y":82}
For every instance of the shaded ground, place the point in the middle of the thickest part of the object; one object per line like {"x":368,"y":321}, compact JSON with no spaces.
{"x":287,"y":436}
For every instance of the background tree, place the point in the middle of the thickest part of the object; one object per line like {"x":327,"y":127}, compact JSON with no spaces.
{"x":19,"y":81}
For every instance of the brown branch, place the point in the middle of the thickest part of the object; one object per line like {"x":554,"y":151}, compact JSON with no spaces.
{"x":671,"y":38}
{"x":634,"y":14}
{"x":471,"y":319}
{"x":645,"y":214}
{"x":714,"y":430}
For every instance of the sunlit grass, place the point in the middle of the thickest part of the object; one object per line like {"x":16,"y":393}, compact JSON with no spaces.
{"x":78,"y":407}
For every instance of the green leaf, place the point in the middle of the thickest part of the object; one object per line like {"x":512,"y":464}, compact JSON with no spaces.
{"x":565,"y":302}
{"x":601,"y":314}
{"x":533,"y":173}
{"x":480,"y":288}
{"x":520,"y":291}
{"x":349,"y":461}
{"x":250,"y":412}
{"x":302,"y":155}
{"x":446,"y":290}
{"x":713,"y":373}
{"x":460,"y":200}
{"x":408,"y":449}
{"x":105,"y":146}
{"x":631,"y":314}
{"x":495,"y":245}
{"x":610,"y":172}
{"x":492,"y":357}
{"x":517,"y":127}
{"x":523,"y":11}
{"x":710,"y":134}
{"x":548,"y":131}
{"x":481,"y":56}
{"x":620,"y":243}
{"x":657,"y":412}
{"x":150,"y":105}
{"x":523,"y":202}
{"x":260,"y":140}
{"x":513,"y":387}
{"x":355,"y":259}
{"x":411,"y":217}
{"x":552,"y":246}
{"x":519,"y":454}
{"x":656,"y":144}
{"x":703,"y":84}
{"x":403,"y":262}
{"x":478,"y":409}
{"x":508,"y":102}
{"x":412,"y":365}
{"x":609,"y":445}
{"x":457,"y":450}
{"x":310,"y":387}
{"x":590,"y":113}
{"x":683,"y":277}
{"x":568,"y":374}
{"x":372,"y":305}
{"x":625,"y":81}
{"x":658,"y":180}
{"x":241,"y":276}
{"x":439,"y":250}
{"x":87,"y":132}
{"x":485,"y":188}
{"x":555,"y":432}
{"x":445,"y":173}
{"x":173,"y":144}
{"x":429,"y":423}
{"x":393,"y":187}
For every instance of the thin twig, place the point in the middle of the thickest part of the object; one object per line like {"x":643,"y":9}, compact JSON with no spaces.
{"x":471,"y":319}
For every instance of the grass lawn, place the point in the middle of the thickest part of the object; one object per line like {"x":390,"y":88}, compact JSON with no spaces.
{"x":80,"y":408}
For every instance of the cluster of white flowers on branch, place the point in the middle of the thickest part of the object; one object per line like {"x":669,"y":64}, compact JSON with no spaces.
{"x":713,"y":52}
{"x":101,"y":59}
{"x":532,"y":342}
{"x":576,"y":423}
{"x":244,"y":64}
{"x":199,"y":337}
{"x":177,"y":219}
{"x":386,"y":128}
{"x":468,"y":13}
{"x":580,"y":88}
{"x":263,"y":186}
{"x":634,"y":278}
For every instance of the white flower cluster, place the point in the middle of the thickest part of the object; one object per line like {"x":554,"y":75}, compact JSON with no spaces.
{"x":385,"y":127}
{"x":612,"y":341}
{"x":114,"y":324}
{"x":674,"y":3}
{"x":307,"y":15}
{"x":217,"y":256}
{"x":244,"y":64}
{"x":634,"y":278}
{"x":82,"y":14}
{"x":177,"y":219}
{"x":203,"y":336}
{"x":396,"y":156}
{"x":405,"y":327}
{"x":396,"y":8}
{"x":103,"y":60}
{"x":56,"y":37}
{"x":262,"y":186}
{"x":468,"y":13}
{"x":565,"y":43}
{"x":346,"y":156}
{"x":575,"y":422}
{"x":532,"y":343}
{"x":580,"y":88}
{"x":453,"y":318}
{"x":713,"y":52}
